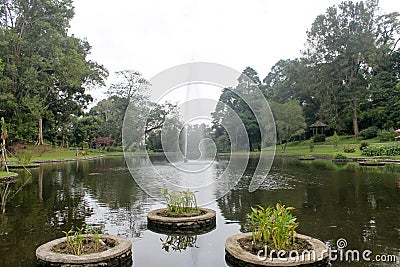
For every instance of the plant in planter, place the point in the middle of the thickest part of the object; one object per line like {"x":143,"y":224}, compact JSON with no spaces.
{"x":84,"y":247}
{"x":80,"y":242}
{"x":273,"y":227}
{"x":181,"y":203}
{"x":182,"y":215}
{"x":273,"y":240}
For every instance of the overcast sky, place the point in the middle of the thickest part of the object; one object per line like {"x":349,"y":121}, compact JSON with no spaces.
{"x":153,"y":35}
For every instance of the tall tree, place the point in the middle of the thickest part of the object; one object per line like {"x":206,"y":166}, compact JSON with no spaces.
{"x":132,"y":86}
{"x":344,"y":39}
{"x":46,"y":69}
{"x":289,"y":120}
{"x":233,"y":105}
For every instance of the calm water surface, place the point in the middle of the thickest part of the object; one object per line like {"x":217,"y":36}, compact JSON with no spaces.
{"x":332,"y":201}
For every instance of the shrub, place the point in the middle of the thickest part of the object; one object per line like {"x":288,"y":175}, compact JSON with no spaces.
{"x":386,"y":135}
{"x":319,"y":138}
{"x":339,"y":156}
{"x":349,"y":149}
{"x":25,"y":156}
{"x":363,"y":145}
{"x":311,"y":144}
{"x":374,"y":151}
{"x":275,"y":227}
{"x":370,"y":132}
{"x":335,"y":139}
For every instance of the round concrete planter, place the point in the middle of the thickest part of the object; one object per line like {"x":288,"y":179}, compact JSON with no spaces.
{"x":366,"y":163}
{"x":9,"y":178}
{"x":23,"y":166}
{"x":237,"y":256}
{"x":199,"y":224}
{"x":120,"y":255}
{"x":306,"y":158}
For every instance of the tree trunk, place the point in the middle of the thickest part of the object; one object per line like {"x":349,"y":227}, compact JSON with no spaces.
{"x":355,"y":119}
{"x":283,"y":146}
{"x":40,"y":183}
{"x":4,"y":156}
{"x":40,"y":134}
{"x":64,"y":129}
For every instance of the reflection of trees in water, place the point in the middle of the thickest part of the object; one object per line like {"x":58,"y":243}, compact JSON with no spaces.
{"x":114,"y":199}
{"x":353,"y":203}
{"x":9,"y":189}
{"x":47,"y":204}
{"x":179,"y":242}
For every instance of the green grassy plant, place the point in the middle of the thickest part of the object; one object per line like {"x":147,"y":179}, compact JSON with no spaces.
{"x":181,"y":202}
{"x":275,"y":227}
{"x":339,"y":156}
{"x":75,"y":240}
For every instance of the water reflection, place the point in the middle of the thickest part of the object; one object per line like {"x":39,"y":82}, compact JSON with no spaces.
{"x":332,"y":201}
{"x":179,"y":242}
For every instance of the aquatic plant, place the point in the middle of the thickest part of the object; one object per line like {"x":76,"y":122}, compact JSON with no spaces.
{"x":181,"y":202}
{"x":274,"y":227}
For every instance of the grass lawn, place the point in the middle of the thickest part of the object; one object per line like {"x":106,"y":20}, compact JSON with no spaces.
{"x":327,"y":148}
{"x":64,"y":153}
{"x":294,"y":148}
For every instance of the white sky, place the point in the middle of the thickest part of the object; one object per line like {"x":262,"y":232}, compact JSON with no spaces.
{"x":151,"y":36}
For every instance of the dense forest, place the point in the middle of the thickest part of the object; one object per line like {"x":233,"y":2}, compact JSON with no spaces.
{"x":347,"y":77}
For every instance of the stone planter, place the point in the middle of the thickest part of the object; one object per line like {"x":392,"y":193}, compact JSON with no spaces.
{"x":22,"y":166}
{"x":306,"y":158}
{"x":199,"y":224}
{"x":9,"y":178}
{"x":366,"y":163}
{"x":237,"y":256}
{"x":341,"y":160}
{"x":120,"y":255}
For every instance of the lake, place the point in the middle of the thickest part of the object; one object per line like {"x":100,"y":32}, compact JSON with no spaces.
{"x":331,"y":201}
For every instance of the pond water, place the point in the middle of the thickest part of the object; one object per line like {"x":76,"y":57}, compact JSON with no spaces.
{"x":332,"y":201}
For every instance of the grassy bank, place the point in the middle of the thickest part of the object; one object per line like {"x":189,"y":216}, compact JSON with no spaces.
{"x":328,"y":147}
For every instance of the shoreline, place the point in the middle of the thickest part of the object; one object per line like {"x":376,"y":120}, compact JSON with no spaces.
{"x":252,"y":154}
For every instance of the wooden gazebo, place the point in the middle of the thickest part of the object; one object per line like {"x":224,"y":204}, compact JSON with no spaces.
{"x":318,"y":128}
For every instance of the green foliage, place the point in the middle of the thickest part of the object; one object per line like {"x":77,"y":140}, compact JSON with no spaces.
{"x":386,"y":135}
{"x":46,"y":72}
{"x":178,"y":242}
{"x":319,"y":138}
{"x":289,"y":120}
{"x":75,"y":240}
{"x":349,"y":149}
{"x":363,"y":145}
{"x":275,"y":227}
{"x":388,"y":150}
{"x":25,"y":156}
{"x":339,"y":156}
{"x":370,"y":132}
{"x":335,"y":139}
{"x":181,"y":202}
{"x":311,"y":144}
